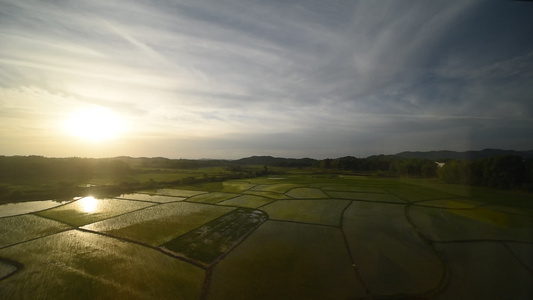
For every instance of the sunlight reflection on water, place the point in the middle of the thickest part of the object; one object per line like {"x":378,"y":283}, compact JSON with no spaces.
{"x":88,"y":204}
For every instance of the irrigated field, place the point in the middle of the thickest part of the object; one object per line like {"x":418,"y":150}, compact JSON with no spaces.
{"x":299,"y":237}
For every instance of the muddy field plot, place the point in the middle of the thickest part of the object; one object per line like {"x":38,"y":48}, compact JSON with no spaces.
{"x":291,"y":237}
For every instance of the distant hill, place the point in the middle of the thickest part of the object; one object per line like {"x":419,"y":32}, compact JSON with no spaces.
{"x":466,"y":155}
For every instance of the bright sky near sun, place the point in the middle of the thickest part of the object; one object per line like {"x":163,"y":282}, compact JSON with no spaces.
{"x":229,"y":79}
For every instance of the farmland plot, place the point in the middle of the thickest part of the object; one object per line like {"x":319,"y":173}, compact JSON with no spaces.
{"x":352,"y":188}
{"x":522,"y":251}
{"x":391,"y":259}
{"x":297,"y":237}
{"x":212,"y":197}
{"x":178,"y":193}
{"x":88,"y":210}
{"x":251,"y":201}
{"x":236,"y":186}
{"x":151,"y":198}
{"x":282,"y":260}
{"x":417,"y":193}
{"x":459,"y":203}
{"x":484,"y":270}
{"x":307,"y":193}
{"x":277,"y":188}
{"x":365,"y":196}
{"x":471,"y":224}
{"x":23,"y":228}
{"x":271,"y":195}
{"x":326,"y":212}
{"x":81,"y":265}
{"x":160,"y":224}
{"x":8,"y":267}
{"x":13,"y":209}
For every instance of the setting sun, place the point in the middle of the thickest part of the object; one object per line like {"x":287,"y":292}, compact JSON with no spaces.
{"x":95,"y":124}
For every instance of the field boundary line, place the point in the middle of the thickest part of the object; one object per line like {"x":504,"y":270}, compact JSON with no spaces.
{"x":347,"y":245}
{"x":445,"y":276}
{"x":517,"y":258}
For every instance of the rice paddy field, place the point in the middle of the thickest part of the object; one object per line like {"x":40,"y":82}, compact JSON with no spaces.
{"x":297,"y":237}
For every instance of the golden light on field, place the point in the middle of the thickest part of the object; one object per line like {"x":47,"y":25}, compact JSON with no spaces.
{"x":95,"y":124}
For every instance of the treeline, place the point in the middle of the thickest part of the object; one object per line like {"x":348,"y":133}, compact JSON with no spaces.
{"x":387,"y":165}
{"x":27,"y":167}
{"x":38,"y":177}
{"x":503,"y":171}
{"x":60,"y":176}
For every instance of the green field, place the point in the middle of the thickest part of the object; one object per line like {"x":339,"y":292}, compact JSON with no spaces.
{"x":289,"y":237}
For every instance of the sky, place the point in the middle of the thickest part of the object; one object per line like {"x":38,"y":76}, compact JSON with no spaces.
{"x":230,"y":79}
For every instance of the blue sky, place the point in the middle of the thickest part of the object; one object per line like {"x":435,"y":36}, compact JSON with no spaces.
{"x":229,"y":79}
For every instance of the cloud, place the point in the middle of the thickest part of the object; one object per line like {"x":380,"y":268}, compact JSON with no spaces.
{"x":316,"y":77}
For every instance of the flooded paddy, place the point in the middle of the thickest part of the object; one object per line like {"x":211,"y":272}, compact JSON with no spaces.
{"x":298,"y":237}
{"x":13,"y":209}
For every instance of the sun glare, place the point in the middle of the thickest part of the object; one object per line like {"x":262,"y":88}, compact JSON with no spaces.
{"x":88,"y":204}
{"x":95,"y":124}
